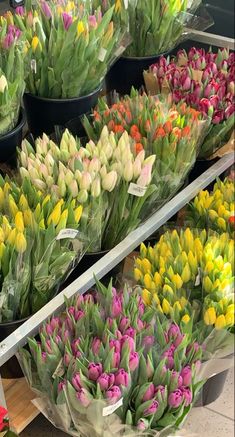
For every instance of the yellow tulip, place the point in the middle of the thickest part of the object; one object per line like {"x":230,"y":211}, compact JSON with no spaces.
{"x":207,"y":284}
{"x":2,"y":250}
{"x":46,"y":200}
{"x":198,"y":248}
{"x":231,"y":308}
{"x":162,"y":271}
{"x":23,"y":203}
{"x":189,"y":240}
{"x":159,"y":308}
{"x":157,"y":279}
{"x":177,"y":281}
{"x":63,"y":221}
{"x":177,"y":305}
{"x":143,"y":250}
{"x":19,"y":221}
{"x":80,"y":28}
{"x":210,"y":316}
{"x":118,"y":5}
{"x":183,"y":302}
{"x":138,"y":275}
{"x":156,"y":299}
{"x":35,"y":43}
{"x":2,"y":236}
{"x":186,"y":319}
{"x":28,"y":218}
{"x":78,"y":213}
{"x":186,"y":274}
{"x":220,"y":322}
{"x":6,"y":227}
{"x":148,"y":281}
{"x":37,"y":212}
{"x":166,"y":306}
{"x":2,"y":197}
{"x":216,"y":285}
{"x":20,"y":242}
{"x":209,"y":267}
{"x":147,"y":297}
{"x":54,"y":217}
{"x":42,"y":224}
{"x":208,"y":202}
{"x":170,"y":272}
{"x":138,"y":263}
{"x":225,"y":285}
{"x":11,"y":237}
{"x":193,"y":262}
{"x":229,"y":318}
{"x":213,"y":215}
{"x":222,"y":223}
{"x":221,"y":210}
{"x":146,"y":265}
{"x":151,"y":253}
{"x":12,"y":206}
{"x":167,"y":289}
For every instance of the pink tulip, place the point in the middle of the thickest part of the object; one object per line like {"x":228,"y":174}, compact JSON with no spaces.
{"x":61,"y":386}
{"x":175,"y":398}
{"x":20,"y":11}
{"x":116,"y":360}
{"x":134,"y":361}
{"x":113,"y":394}
{"x":116,"y":307}
{"x":150,"y":411}
{"x":175,"y":376}
{"x":82,"y":396}
{"x":76,"y":381}
{"x":94,"y":371}
{"x":95,"y":346}
{"x":122,"y":378}
{"x":187,"y":395}
{"x":115,"y":344}
{"x":103,"y":381}
{"x":149,"y":394}
{"x":129,"y":341}
{"x":67,"y":20}
{"x":124,"y":324}
{"x":186,"y":374}
{"x":131,"y":332}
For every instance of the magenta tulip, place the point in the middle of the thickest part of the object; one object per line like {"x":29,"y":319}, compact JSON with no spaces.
{"x":175,"y":398}
{"x":122,"y":378}
{"x":103,"y":381}
{"x":82,"y":396}
{"x":186,"y":374}
{"x":113,"y":394}
{"x":95,"y":346}
{"x":94,"y":371}
{"x":149,"y":394}
{"x":150,"y":411}
{"x":187,"y":395}
{"x":116,"y":360}
{"x":67,"y":20}
{"x":124,"y":324}
{"x":116,"y":307}
{"x":129,"y":341}
{"x":76,"y":381}
{"x":134,"y":361}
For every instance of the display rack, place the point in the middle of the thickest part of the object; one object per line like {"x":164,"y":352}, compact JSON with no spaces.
{"x":18,"y":338}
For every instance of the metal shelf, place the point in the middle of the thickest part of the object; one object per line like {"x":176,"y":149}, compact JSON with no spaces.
{"x":19,"y":338}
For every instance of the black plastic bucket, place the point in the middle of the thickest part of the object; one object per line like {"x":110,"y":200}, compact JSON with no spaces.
{"x":10,"y":141}
{"x":213,"y":388}
{"x":44,"y":114}
{"x":11,"y":369}
{"x":127,"y":72}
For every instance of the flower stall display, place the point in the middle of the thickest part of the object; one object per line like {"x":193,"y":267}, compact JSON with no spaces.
{"x":215,"y":210}
{"x":107,"y":178}
{"x":108,"y":367}
{"x":189,"y":276}
{"x":40,"y":244}
{"x":205,"y":81}
{"x":170,"y":132}
{"x":11,"y":76}
{"x":4,"y":424}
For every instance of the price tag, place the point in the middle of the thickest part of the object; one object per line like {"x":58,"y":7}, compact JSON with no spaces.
{"x":137,"y":190}
{"x":107,"y":411}
{"x":34,"y":65}
{"x":102,"y":54}
{"x":59,"y":371}
{"x":67,"y":233}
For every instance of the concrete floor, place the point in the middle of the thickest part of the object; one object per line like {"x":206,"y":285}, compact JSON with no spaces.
{"x":216,"y":420}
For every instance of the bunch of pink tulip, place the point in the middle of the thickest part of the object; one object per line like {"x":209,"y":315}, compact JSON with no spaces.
{"x":109,"y":353}
{"x":205,"y":81}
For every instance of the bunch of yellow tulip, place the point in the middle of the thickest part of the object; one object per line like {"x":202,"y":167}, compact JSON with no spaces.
{"x":41,"y":222}
{"x":186,"y":273}
{"x":215,"y":210}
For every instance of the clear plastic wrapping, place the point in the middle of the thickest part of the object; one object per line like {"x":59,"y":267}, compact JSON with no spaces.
{"x":109,"y":366}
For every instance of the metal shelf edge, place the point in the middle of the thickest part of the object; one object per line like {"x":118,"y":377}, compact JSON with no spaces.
{"x":19,"y":337}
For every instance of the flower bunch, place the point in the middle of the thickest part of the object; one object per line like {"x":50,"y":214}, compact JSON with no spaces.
{"x":45,"y":234}
{"x":169,"y":132}
{"x":155,"y":26}
{"x":215,"y":210}
{"x":186,"y":273}
{"x":11,"y":75}
{"x":70,"y":46}
{"x":95,"y":176}
{"x":108,"y":353}
{"x":205,"y":81}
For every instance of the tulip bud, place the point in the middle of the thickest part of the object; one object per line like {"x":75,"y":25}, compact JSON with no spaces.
{"x":113,"y":394}
{"x":122,"y":378}
{"x":128,"y":171}
{"x":94,"y":371}
{"x":210,"y":316}
{"x":96,"y":188}
{"x":175,"y":398}
{"x":150,"y":411}
{"x":20,"y":242}
{"x":19,"y":222}
{"x":109,"y":181}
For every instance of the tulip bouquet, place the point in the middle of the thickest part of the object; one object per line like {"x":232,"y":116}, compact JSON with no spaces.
{"x":215,"y":210}
{"x":109,"y":181}
{"x":155,"y":26}
{"x":39,"y":251}
{"x":205,"y":81}
{"x":108,"y":367}
{"x":170,"y":132}
{"x":70,"y":46}
{"x":189,"y":276}
{"x":11,"y":75}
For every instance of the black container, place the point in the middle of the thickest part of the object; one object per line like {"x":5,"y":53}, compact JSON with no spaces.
{"x":213,"y":388}
{"x":127,"y":72}
{"x":10,"y":141}
{"x":44,"y":114}
{"x":11,"y":369}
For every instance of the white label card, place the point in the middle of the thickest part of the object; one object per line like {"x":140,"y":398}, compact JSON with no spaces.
{"x":107,"y":411}
{"x":102,"y":54}
{"x":198,"y":278}
{"x":34,"y":65}
{"x":59,"y":371}
{"x":126,"y":3}
{"x":136,"y":190}
{"x":67,"y":233}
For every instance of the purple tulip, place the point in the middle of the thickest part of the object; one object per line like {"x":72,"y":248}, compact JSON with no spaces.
{"x":76,"y":381}
{"x":175,"y":398}
{"x":129,"y":341}
{"x":116,"y":307}
{"x":173,"y":331}
{"x":134,"y":361}
{"x":124,"y":324}
{"x":186,"y":374}
{"x":113,"y":394}
{"x":175,"y":376}
{"x":131,"y":332}
{"x":80,"y":301}
{"x":122,"y":378}
{"x":150,"y":411}
{"x":67,"y":20}
{"x":149,"y":394}
{"x":61,"y":386}
{"x":194,"y":346}
{"x":116,"y":360}
{"x":95,"y":346}
{"x":83,"y":397}
{"x":20,"y":11}
{"x":187,"y":395}
{"x":115,"y":344}
{"x":103,"y":381}
{"x":109,"y":322}
{"x":94,"y":371}
{"x":46,"y":9}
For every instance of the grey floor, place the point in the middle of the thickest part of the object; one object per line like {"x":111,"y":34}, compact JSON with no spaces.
{"x":216,"y":420}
